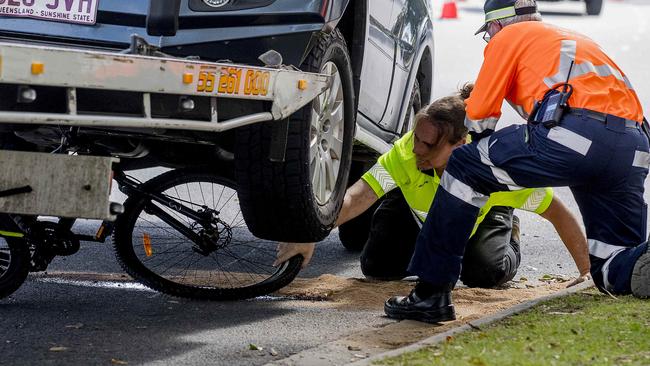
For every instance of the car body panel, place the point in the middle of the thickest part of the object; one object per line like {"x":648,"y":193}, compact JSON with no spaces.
{"x":378,"y":61}
{"x":412,"y":34}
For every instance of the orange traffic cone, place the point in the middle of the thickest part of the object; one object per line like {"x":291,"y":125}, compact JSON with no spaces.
{"x":449,"y":10}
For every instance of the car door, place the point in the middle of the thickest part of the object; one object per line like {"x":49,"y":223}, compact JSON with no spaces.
{"x":407,"y":15}
{"x":378,"y":60}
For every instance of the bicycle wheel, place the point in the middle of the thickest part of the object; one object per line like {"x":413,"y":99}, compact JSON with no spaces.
{"x":14,"y":265}
{"x":228,"y":263}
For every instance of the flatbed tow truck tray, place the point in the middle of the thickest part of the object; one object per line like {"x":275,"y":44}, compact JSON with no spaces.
{"x":286,"y":89}
{"x":56,"y":185}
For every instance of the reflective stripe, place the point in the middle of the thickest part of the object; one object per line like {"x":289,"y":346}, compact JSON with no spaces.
{"x":382,"y":176}
{"x":605,"y":271}
{"x":568,"y":54}
{"x":570,"y":140}
{"x":11,"y":234}
{"x":499,"y":174}
{"x":420,"y":215}
{"x":417,"y":218}
{"x":534,"y":200}
{"x":481,"y":125}
{"x":462,"y":191}
{"x":641,"y":159}
{"x":603,"y":250}
{"x":500,"y":14}
{"x":519,"y":109}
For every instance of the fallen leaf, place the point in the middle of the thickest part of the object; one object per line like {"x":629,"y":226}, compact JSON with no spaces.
{"x":115,"y":361}
{"x":58,"y":349}
{"x":449,"y":339}
{"x":273,"y":352}
{"x":254,"y":347}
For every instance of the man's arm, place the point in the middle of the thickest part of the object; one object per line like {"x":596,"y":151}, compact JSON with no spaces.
{"x":483,"y":107}
{"x":571,"y":234}
{"x":358,"y":198}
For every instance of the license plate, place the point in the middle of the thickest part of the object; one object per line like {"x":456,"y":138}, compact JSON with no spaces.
{"x":233,"y":81}
{"x":69,"y":11}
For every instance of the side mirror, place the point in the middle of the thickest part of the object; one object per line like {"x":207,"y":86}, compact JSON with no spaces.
{"x":162,"y":19}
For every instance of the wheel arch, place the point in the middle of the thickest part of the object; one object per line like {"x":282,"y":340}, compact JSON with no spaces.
{"x":352,"y":24}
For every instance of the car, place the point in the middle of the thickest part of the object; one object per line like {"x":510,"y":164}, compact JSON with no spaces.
{"x":593,"y":7}
{"x":291,"y":174}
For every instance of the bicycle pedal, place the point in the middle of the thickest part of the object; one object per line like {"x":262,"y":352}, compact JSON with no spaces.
{"x":105,"y":229}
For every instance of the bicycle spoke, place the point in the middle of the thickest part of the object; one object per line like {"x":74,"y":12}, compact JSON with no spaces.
{"x":228,"y":257}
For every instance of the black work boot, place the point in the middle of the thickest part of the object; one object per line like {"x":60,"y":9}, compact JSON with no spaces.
{"x":640,"y":281}
{"x":422,"y":304}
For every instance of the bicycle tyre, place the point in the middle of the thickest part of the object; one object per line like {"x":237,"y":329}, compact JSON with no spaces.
{"x":14,"y":265}
{"x":135,"y":265}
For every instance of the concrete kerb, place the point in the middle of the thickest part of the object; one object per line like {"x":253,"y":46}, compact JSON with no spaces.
{"x":472,"y":325}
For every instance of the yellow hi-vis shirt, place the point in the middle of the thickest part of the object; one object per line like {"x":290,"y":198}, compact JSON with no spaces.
{"x":397,"y":168}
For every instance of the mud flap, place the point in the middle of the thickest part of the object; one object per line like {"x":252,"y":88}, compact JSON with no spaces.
{"x":279,"y":133}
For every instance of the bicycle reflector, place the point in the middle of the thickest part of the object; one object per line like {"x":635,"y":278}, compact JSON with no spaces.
{"x":146,"y":242}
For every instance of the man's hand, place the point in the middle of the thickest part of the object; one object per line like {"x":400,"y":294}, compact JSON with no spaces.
{"x":288,"y":250}
{"x":580,"y":279}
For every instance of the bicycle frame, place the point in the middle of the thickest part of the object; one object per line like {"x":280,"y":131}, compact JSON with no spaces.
{"x":130,"y":186}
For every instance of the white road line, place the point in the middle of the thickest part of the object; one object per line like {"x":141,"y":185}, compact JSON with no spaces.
{"x":133,"y":286}
{"x":96,"y":284}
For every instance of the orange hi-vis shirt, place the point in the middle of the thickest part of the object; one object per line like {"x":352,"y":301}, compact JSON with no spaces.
{"x":524,"y":60}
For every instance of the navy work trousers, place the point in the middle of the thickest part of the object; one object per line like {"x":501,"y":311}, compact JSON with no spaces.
{"x":605,"y":164}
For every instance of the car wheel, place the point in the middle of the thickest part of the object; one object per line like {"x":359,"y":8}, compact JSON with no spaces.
{"x":594,"y":6}
{"x":299,"y":199}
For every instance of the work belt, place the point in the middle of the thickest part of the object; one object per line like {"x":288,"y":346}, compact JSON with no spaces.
{"x":602,"y":117}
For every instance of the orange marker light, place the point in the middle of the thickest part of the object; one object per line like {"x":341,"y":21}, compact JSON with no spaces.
{"x":38,"y":68}
{"x":146,"y":242}
{"x":188,"y":78}
{"x":302,"y":84}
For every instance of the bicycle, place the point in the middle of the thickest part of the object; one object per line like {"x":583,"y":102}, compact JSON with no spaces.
{"x":180,"y":233}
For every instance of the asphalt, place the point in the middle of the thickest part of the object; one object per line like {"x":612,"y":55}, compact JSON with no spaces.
{"x":135,"y":325}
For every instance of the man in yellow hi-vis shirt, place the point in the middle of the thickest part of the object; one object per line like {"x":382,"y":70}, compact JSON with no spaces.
{"x":414,"y":165}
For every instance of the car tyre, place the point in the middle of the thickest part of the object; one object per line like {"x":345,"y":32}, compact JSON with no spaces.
{"x":299,"y":199}
{"x":415,"y":104}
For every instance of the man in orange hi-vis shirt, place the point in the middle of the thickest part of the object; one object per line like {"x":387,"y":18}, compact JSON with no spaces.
{"x":585,"y":131}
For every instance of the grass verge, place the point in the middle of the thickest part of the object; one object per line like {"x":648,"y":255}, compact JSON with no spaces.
{"x":586,"y":328}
